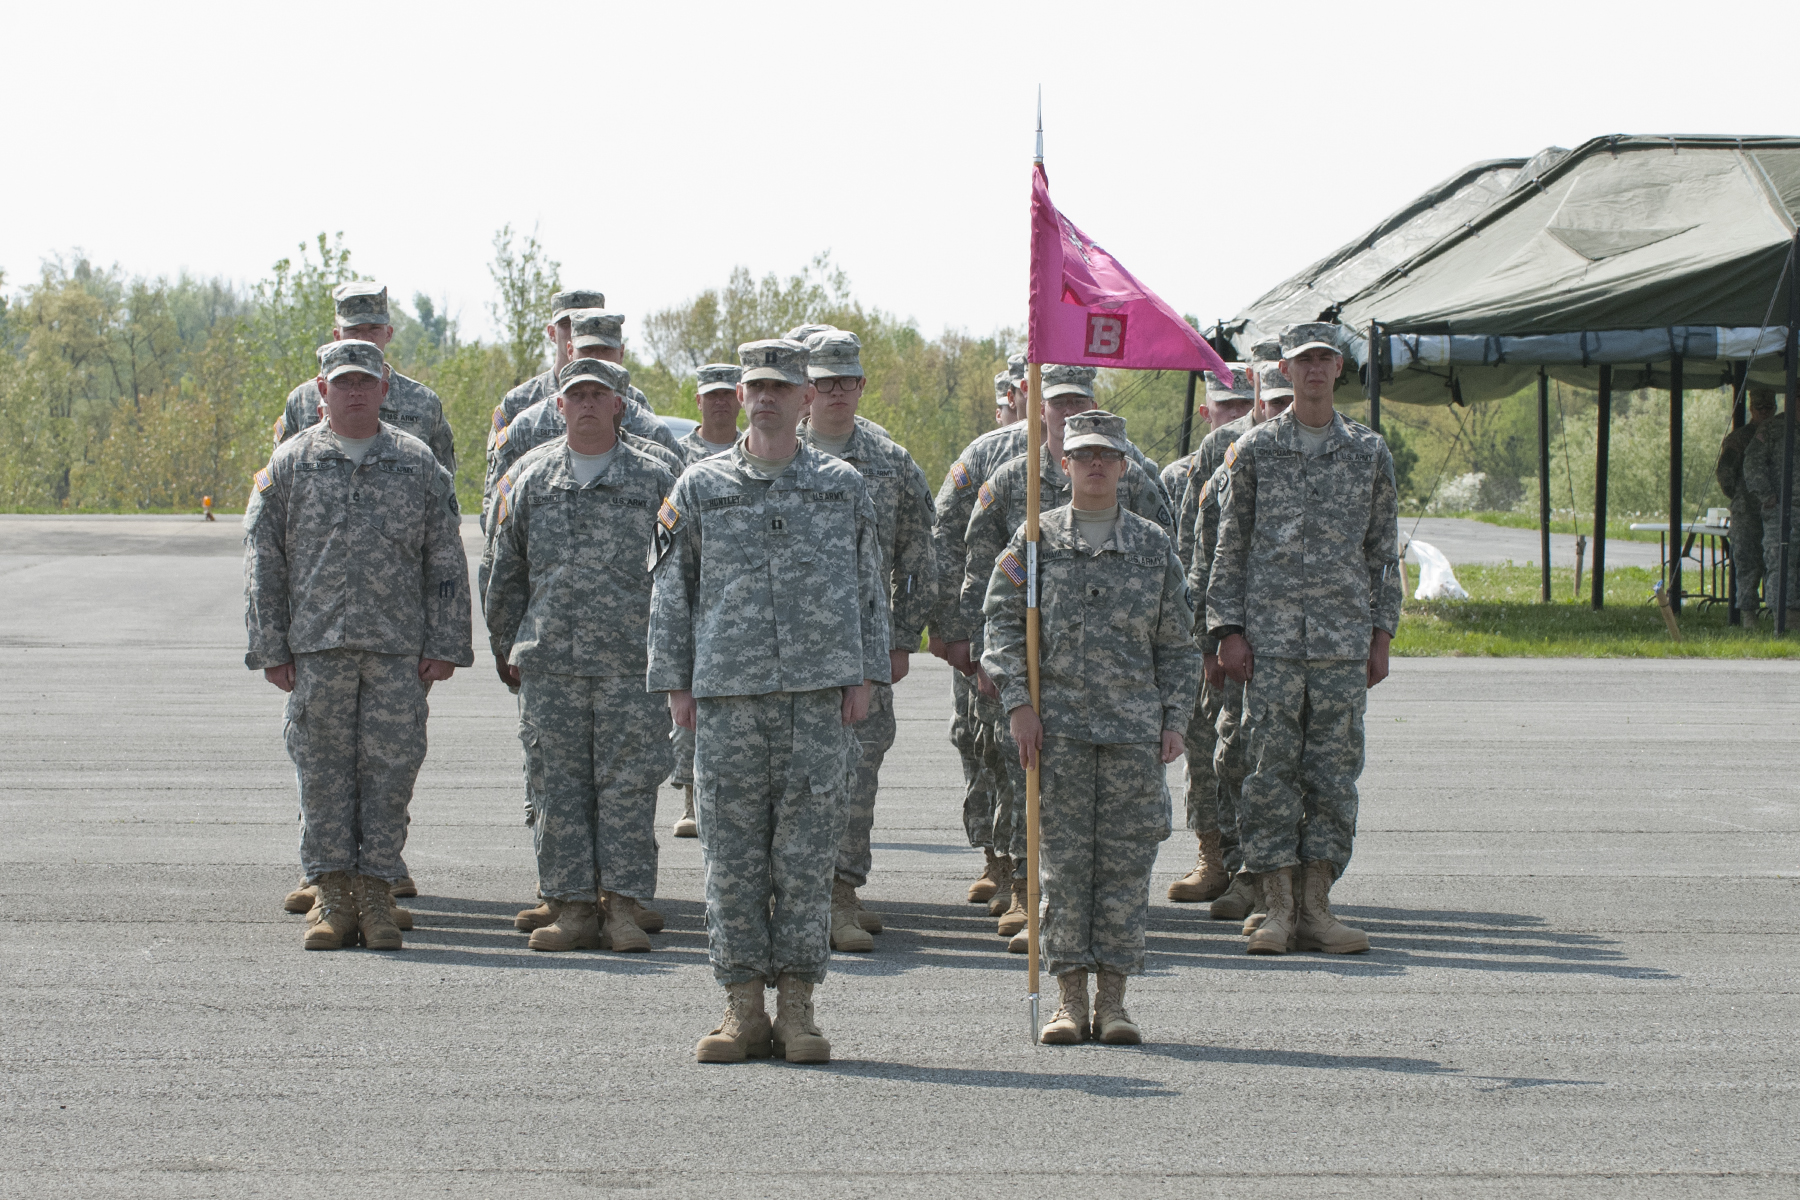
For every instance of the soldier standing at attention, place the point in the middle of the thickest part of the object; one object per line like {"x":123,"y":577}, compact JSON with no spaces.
{"x":1117,"y":677}
{"x":768,"y":628}
{"x":1304,"y":598}
{"x":541,"y":386}
{"x":567,"y":586}
{"x":356,"y":599}
{"x":716,"y":398}
{"x":903,"y":523}
{"x":1746,"y":506}
{"x":409,"y":406}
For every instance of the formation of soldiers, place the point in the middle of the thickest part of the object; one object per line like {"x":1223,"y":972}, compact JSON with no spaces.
{"x":731,"y":611}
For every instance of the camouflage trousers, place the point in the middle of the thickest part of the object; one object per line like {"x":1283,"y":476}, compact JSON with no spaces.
{"x":769,"y":794}
{"x":1228,"y":769}
{"x":992,"y":738}
{"x":355,"y":728}
{"x":965,"y":735}
{"x":592,"y":745}
{"x":1200,"y":742}
{"x":1747,"y":551}
{"x":1104,"y":812}
{"x":1771,"y":559}
{"x":875,"y":737}
{"x":681,"y":749}
{"x":1303,"y":743}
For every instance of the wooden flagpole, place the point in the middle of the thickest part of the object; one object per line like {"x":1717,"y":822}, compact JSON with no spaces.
{"x":1034,"y":434}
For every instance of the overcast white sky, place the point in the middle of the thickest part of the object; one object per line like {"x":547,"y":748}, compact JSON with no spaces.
{"x":1214,"y":148}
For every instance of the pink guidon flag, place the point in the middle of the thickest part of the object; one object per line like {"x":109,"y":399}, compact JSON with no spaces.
{"x":1088,"y":310}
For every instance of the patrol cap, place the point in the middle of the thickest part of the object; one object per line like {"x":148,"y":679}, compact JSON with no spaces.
{"x":1095,"y":427}
{"x":1063,"y":380}
{"x":718,"y":377}
{"x":591,"y":327}
{"x":1273,"y":382}
{"x":833,"y":353}
{"x":1003,"y":388}
{"x":609,"y":375}
{"x":1267,"y":350}
{"x":564,"y":303}
{"x":801,"y":333}
{"x":362,"y":302}
{"x":349,"y":355}
{"x":774,"y":358}
{"x":1762,"y":399}
{"x":1236,"y":386}
{"x":1015,"y":368}
{"x":1297,"y":339}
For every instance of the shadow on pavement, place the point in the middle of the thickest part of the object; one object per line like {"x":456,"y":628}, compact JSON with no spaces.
{"x":1112,"y":1087}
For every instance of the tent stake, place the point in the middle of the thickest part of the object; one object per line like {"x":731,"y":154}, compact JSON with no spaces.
{"x":1602,"y":444}
{"x":1675,"y":404}
{"x":1544,"y":477}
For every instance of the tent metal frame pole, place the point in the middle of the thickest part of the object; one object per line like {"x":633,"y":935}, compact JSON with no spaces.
{"x":1740,"y":372}
{"x":1792,"y":353}
{"x":1675,"y":430}
{"x":1374,"y":372}
{"x":1187,"y":414}
{"x":1602,"y":450}
{"x":1543,"y":417}
{"x":1734,"y":615}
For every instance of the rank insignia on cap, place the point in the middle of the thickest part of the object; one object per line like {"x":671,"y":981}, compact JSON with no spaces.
{"x":959,"y":474}
{"x":1014,"y":570}
{"x":769,"y":358}
{"x":499,"y":417}
{"x":263,"y":480}
{"x":985,"y":496}
{"x":668,"y":514}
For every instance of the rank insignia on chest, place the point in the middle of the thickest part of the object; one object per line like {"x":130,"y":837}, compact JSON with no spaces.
{"x":1012,"y":568}
{"x":263,"y":480}
{"x":668,"y":515}
{"x":959,"y":474}
{"x":985,"y":496}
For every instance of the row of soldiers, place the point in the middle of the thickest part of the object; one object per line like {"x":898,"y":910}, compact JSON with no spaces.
{"x":768,"y":588}
{"x":1749,"y":474}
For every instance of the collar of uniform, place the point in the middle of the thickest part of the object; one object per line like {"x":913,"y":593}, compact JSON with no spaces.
{"x":798,"y":476}
{"x":1287,"y":433}
{"x":1050,"y":470}
{"x":562,"y":475}
{"x":1128,"y":537}
{"x":324,"y":443}
{"x":860,"y":447}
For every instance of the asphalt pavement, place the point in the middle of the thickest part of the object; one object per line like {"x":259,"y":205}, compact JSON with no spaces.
{"x":1580,"y":877}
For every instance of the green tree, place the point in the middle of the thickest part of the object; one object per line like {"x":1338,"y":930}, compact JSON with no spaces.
{"x":527,"y":280}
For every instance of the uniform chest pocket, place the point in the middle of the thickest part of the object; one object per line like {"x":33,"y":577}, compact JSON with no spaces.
{"x":731,"y":535}
{"x":391,"y":497}
{"x":1344,"y":484}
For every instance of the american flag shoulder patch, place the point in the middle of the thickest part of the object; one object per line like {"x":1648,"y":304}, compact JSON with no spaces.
{"x":499,"y":417}
{"x":503,"y":499}
{"x":263,"y":480}
{"x":1014,"y":570}
{"x":985,"y":496}
{"x":959,"y":474}
{"x":500,"y":436}
{"x":668,"y":514}
{"x":1231,"y":454}
{"x":280,"y":428}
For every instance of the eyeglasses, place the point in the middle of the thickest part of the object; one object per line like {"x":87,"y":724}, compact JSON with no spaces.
{"x":838,"y":383}
{"x":1088,"y":454}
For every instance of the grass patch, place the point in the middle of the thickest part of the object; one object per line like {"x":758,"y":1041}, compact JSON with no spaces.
{"x":1503,"y":618}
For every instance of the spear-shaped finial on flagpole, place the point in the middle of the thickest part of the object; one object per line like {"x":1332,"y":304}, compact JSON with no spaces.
{"x":1039,"y":159}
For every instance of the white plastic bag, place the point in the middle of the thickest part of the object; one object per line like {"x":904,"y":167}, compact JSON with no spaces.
{"x":1436,"y":580}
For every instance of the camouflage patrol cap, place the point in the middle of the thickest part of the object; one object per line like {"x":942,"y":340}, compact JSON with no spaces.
{"x":1015,"y":368}
{"x":564,"y":303}
{"x":1095,"y":427}
{"x":801,"y":333}
{"x":609,"y":375}
{"x":1297,"y":339}
{"x":833,"y":353}
{"x":591,"y":327}
{"x":349,"y":355}
{"x":1271,"y":383}
{"x":1267,"y":350}
{"x":1003,"y":384}
{"x":1068,"y":381}
{"x":781,"y":359}
{"x":1235,"y":387}
{"x":718,"y":377}
{"x":361,"y":303}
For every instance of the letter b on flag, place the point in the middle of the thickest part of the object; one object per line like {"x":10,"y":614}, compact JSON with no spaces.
{"x":1106,"y":335}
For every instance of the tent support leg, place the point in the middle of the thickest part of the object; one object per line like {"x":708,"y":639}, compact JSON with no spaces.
{"x":1733,"y":614}
{"x":1374,"y":372}
{"x":1544,"y":478}
{"x":1187,"y":414}
{"x":1675,"y":406}
{"x":1603,"y":444}
{"x":1792,"y":353}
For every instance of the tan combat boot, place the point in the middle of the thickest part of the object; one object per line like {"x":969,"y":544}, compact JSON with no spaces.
{"x":534,"y":918}
{"x":1003,"y":881}
{"x":574,"y":925}
{"x":1207,"y":880}
{"x":796,"y":1036}
{"x":1259,"y":907}
{"x":1069,"y":1027}
{"x":686,"y":826}
{"x":1014,"y":920}
{"x":336,"y":924}
{"x":1316,"y":928}
{"x":646,"y":919}
{"x":404,"y":887}
{"x":868,"y":918}
{"x":1238,"y":901}
{"x":375,"y":914}
{"x":1275,"y":935}
{"x":402,"y":918}
{"x":744,"y":1033}
{"x":1112,"y":1024}
{"x":618,"y":932}
{"x":986,"y":884}
{"x":302,"y":898}
{"x":847,"y":934}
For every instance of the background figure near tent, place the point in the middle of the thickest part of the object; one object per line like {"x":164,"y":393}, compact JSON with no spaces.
{"x":1761,"y":473}
{"x":1304,"y":598}
{"x":1746,"y":506}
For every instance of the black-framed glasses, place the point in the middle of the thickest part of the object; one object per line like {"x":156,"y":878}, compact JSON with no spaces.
{"x":838,"y":383}
{"x":1088,"y":454}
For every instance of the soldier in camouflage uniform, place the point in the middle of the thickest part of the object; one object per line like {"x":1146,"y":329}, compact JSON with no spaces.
{"x":716,"y":397}
{"x":903,"y":521}
{"x":1117,"y":675}
{"x":768,"y":628}
{"x":1226,"y":401}
{"x":356,"y":600}
{"x":1304,"y":598}
{"x":998,"y":513}
{"x":410,"y":406}
{"x":1746,"y":505}
{"x":566,"y":577}
{"x":592,"y":334}
{"x":543,"y":386}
